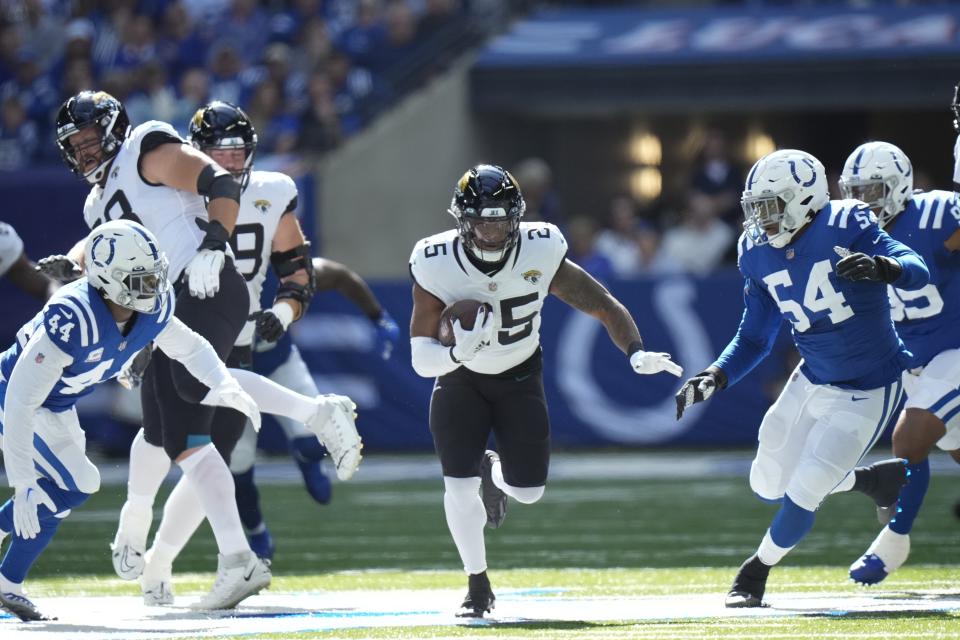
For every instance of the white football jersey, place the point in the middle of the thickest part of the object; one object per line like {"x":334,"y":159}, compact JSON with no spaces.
{"x":169,"y":213}
{"x":267,"y":197}
{"x":11,"y":247}
{"x":516,"y":292}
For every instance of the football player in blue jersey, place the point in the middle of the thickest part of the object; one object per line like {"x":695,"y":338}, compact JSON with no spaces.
{"x":280,"y":360}
{"x":824,"y":266}
{"x":881,"y":175}
{"x":85,"y":334}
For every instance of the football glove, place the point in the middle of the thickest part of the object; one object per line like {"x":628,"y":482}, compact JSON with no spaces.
{"x":270,"y":327}
{"x":203,"y":273}
{"x":131,"y":375}
{"x":387,"y":334}
{"x":60,"y":268}
{"x":26,"y":501}
{"x":699,"y":388}
{"x":860,"y":266}
{"x":648,"y":362}
{"x":469,"y":343}
{"x":230,"y":394}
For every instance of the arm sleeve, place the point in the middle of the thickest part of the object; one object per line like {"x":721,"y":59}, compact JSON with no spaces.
{"x":34,"y":376}
{"x":755,"y":336}
{"x":189,"y":348}
{"x":956,"y":165}
{"x":876,"y":242}
{"x":430,"y":358}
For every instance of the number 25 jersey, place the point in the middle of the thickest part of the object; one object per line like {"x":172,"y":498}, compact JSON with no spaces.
{"x":516,"y":291}
{"x":169,"y":213}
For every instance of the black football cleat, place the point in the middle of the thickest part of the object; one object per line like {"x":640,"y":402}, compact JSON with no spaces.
{"x":480,"y":598}
{"x":749,"y":585}
{"x":494,"y":500}
{"x":21,"y":607}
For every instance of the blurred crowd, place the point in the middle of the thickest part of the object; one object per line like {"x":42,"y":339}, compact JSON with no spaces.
{"x":309,"y":72}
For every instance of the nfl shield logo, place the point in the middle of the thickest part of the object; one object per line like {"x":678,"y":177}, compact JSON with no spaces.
{"x":789,"y":254}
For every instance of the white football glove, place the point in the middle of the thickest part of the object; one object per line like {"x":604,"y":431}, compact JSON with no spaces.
{"x":648,"y":362}
{"x":469,"y":343}
{"x":203,"y":273}
{"x":230,"y":394}
{"x":26,"y":501}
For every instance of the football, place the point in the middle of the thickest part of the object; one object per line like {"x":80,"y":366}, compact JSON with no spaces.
{"x":465,"y":311}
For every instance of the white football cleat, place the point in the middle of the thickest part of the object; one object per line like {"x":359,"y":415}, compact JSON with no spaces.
{"x":239,"y":576}
{"x":156,"y":582}
{"x":334,"y":424}
{"x":130,"y":543}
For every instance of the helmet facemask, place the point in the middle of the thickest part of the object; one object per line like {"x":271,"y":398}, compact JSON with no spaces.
{"x":228,"y":144}
{"x":767,"y":220}
{"x":142,"y":291}
{"x":875,"y":192}
{"x":490,"y":235}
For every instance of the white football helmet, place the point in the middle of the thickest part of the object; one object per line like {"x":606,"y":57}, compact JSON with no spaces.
{"x":783,"y":191}
{"x":123,"y":260}
{"x":881,"y":175}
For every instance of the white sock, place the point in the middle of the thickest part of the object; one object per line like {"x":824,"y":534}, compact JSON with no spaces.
{"x":466,"y":518}
{"x":182,"y":515}
{"x":769,"y":552}
{"x":149,"y":466}
{"x":8,"y":586}
{"x":275,"y":399}
{"x":526,"y":495}
{"x":846,"y":484}
{"x":213,"y":485}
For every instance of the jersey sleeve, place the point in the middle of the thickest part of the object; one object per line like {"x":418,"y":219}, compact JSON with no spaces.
{"x":755,"y":336}
{"x":559,"y":246}
{"x":289,"y":194}
{"x":67,"y":327}
{"x":11,"y":247}
{"x":424,"y":250}
{"x":874,"y":241}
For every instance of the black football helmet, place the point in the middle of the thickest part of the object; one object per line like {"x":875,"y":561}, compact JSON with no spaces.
{"x":955,"y":107}
{"x":488,"y":205}
{"x":92,"y":109}
{"x":221,"y":125}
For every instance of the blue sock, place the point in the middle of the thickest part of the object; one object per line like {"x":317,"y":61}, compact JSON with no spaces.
{"x":6,"y":517}
{"x":248,"y":500}
{"x":22,"y":553}
{"x":911,"y":497}
{"x":790,"y":524}
{"x":307,"y":449}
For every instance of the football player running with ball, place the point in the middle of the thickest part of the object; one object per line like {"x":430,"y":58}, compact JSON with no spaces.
{"x":490,"y":379}
{"x":824,"y":266}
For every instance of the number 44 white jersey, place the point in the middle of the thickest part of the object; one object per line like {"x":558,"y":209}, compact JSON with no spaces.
{"x":516,"y":292}
{"x":169,"y":213}
{"x":268,"y":196}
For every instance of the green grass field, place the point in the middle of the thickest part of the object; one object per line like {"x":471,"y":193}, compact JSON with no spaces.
{"x":590,"y":538}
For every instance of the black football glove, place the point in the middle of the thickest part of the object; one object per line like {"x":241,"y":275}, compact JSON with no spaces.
{"x":131,"y":375}
{"x":860,"y":266}
{"x":699,"y":388}
{"x":60,"y":268}
{"x":269,"y":327}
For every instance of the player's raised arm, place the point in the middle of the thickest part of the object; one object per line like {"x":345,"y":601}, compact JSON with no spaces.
{"x":290,"y":258}
{"x":581,"y":291}
{"x":331,"y":275}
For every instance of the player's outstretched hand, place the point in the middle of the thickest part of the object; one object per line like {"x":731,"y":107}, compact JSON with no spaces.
{"x":388,"y":332}
{"x":269,"y":326}
{"x":27,"y":499}
{"x":649,"y":362}
{"x":697,"y":389}
{"x":60,"y":268}
{"x":230,"y":394}
{"x":469,"y":343}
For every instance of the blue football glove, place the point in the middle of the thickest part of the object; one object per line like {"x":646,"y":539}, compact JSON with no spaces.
{"x":387,"y":334}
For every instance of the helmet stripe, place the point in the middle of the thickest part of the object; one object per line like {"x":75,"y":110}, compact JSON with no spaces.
{"x":856,"y":161}
{"x":153,"y":249}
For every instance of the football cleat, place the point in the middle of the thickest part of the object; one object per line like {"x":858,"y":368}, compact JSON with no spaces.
{"x":156,"y":582}
{"x":889,"y":477}
{"x":130,"y":543}
{"x":335,"y":427}
{"x":887,"y":554}
{"x":494,"y":500}
{"x":749,"y":585}
{"x":480,"y":598}
{"x":239,"y":576}
{"x":21,"y":606}
{"x":262,"y":544}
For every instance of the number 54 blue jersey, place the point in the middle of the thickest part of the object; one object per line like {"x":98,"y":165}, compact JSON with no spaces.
{"x":842,"y":328}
